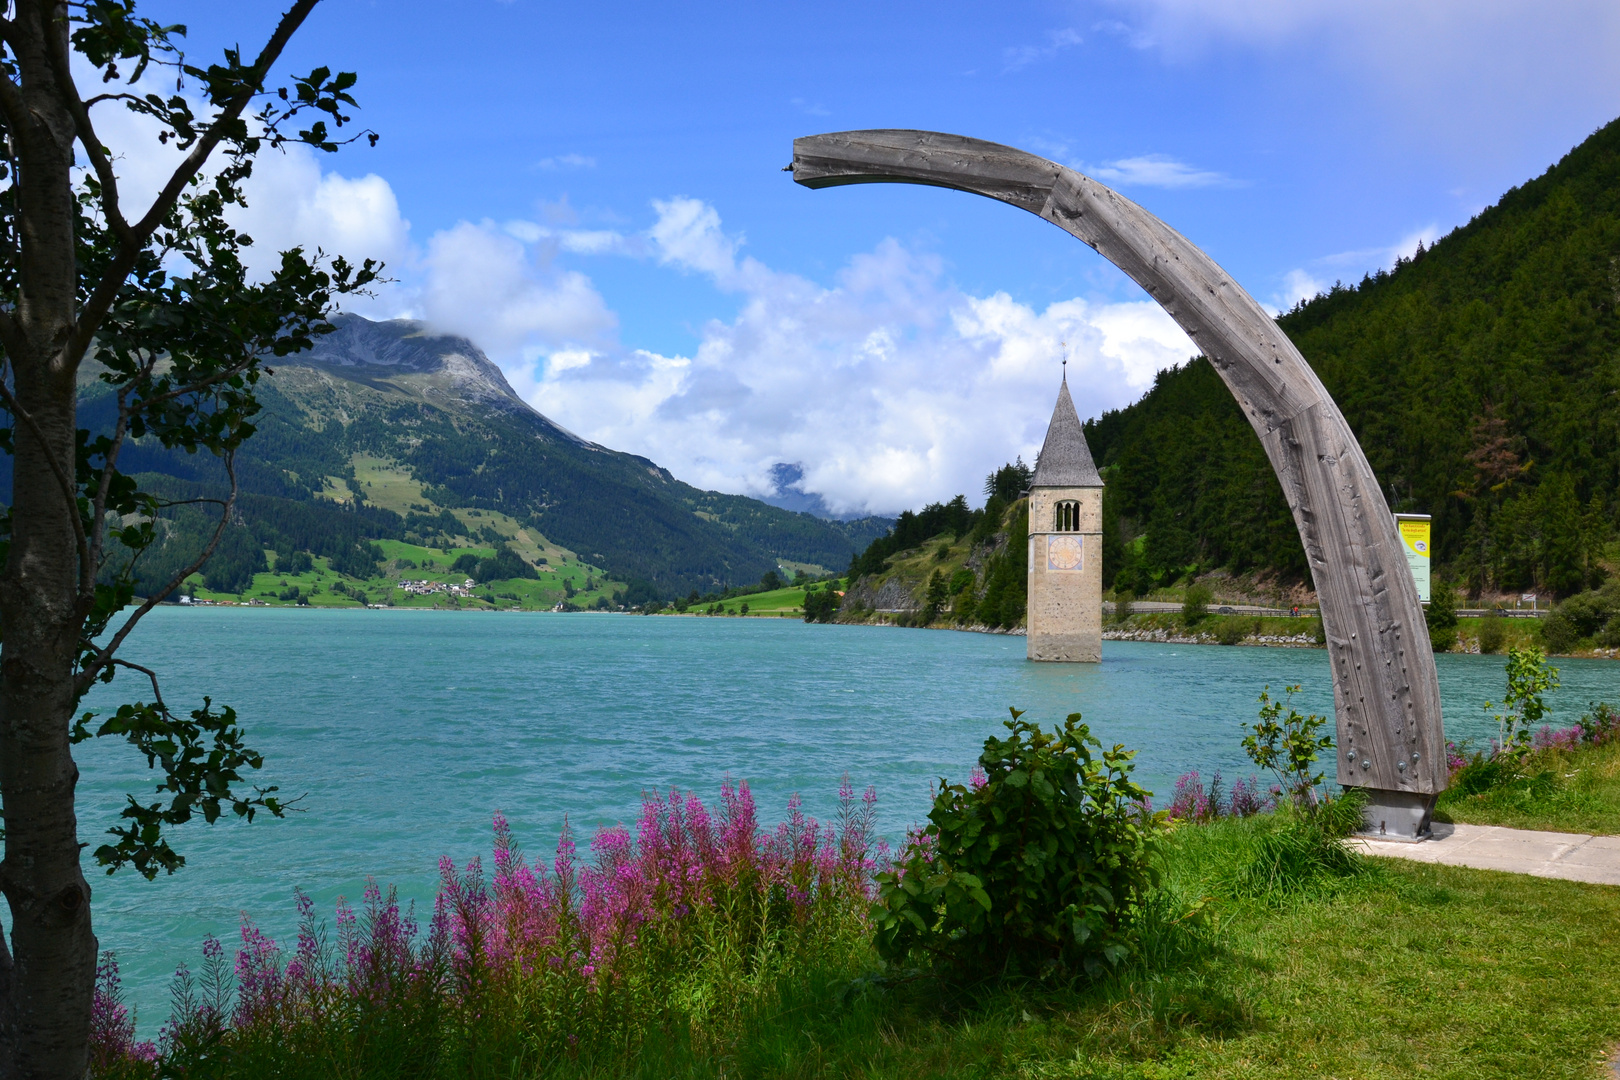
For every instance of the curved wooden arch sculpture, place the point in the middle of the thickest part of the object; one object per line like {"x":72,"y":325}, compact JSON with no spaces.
{"x":1390,"y":737}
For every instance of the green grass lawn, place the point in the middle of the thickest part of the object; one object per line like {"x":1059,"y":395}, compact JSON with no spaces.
{"x":1515,"y":633}
{"x":776,"y":603}
{"x":1581,"y":793}
{"x":322,"y":587}
{"x":1410,"y":970}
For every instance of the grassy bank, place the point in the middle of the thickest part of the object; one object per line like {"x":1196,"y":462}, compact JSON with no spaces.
{"x":1403,"y":970}
{"x":1412,"y":970}
{"x":1560,"y":789}
{"x":773,"y":603}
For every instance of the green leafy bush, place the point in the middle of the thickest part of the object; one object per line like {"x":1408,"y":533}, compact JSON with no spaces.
{"x":1195,"y":606}
{"x":1529,"y":676}
{"x":1584,"y":615}
{"x":1441,"y":616}
{"x":1041,"y":864}
{"x":1286,"y":744}
{"x":1492,"y":634}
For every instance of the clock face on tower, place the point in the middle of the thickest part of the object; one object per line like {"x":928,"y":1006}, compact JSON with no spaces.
{"x":1065,"y":552}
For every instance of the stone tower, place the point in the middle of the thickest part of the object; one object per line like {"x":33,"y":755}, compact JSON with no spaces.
{"x":1065,"y":544}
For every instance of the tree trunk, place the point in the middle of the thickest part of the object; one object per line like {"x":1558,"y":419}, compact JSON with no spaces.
{"x":45,"y":1028}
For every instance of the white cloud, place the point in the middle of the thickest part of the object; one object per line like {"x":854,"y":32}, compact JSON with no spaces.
{"x":566,"y":360}
{"x":576,"y":241}
{"x":891,"y":387}
{"x":291,"y":201}
{"x":1298,"y":285}
{"x":482,"y":282}
{"x":1301,"y":284}
{"x":1056,"y":41}
{"x":565,"y":161}
{"x":688,"y":235}
{"x":1156,"y":170}
{"x":1460,"y":70}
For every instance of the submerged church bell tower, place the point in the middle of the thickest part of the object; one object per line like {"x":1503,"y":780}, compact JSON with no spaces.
{"x":1065,"y":544}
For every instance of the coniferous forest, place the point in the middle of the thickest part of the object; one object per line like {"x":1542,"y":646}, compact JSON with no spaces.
{"x":1481,"y":377}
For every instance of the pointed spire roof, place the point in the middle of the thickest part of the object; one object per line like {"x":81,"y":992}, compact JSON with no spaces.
{"x":1065,"y":459}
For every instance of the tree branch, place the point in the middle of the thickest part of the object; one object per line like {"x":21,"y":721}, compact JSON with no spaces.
{"x":97,"y":99}
{"x":92,"y":146}
{"x":100,"y":300}
{"x":69,"y":489}
{"x":201,"y":384}
{"x":92,"y":566}
{"x":157,"y":694}
{"x":104,"y":655}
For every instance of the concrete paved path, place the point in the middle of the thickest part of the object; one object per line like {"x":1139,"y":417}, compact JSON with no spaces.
{"x":1572,"y":856}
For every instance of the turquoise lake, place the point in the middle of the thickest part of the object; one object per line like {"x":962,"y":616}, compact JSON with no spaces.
{"x":406,"y":731}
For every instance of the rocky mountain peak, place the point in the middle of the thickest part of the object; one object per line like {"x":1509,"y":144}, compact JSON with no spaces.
{"x":407,"y":347}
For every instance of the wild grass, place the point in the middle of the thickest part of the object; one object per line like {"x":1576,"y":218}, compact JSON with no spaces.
{"x":1558,"y":788}
{"x":1400,"y":969}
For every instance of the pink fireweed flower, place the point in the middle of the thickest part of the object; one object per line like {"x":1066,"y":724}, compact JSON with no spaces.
{"x":1246,"y":800}
{"x":258,"y":977}
{"x":1562,"y":739}
{"x":685,"y":879}
{"x":1189,"y":801}
{"x":112,"y":1025}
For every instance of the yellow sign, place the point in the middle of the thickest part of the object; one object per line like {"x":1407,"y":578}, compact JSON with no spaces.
{"x":1416,"y":540}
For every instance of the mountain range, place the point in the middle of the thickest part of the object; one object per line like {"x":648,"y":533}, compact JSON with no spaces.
{"x":396,"y":425}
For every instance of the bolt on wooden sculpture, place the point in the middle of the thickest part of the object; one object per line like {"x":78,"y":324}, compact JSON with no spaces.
{"x":1386,"y":696}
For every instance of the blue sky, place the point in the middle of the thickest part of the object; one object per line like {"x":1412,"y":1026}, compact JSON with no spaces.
{"x":593,"y":194}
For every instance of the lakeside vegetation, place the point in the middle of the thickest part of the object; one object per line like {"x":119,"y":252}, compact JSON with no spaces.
{"x":948,"y":566}
{"x":1407,"y":970}
{"x":1242,"y":940}
{"x":1562,"y":780}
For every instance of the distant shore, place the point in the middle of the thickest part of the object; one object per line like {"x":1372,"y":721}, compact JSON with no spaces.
{"x":1156,"y":635}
